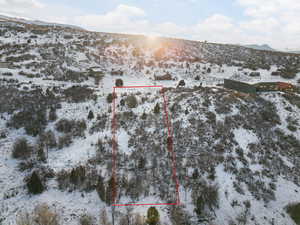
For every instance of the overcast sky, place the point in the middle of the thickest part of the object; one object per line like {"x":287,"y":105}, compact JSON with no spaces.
{"x":274,"y":22}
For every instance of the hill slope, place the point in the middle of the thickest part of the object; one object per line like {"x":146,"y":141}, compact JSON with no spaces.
{"x":237,"y":156}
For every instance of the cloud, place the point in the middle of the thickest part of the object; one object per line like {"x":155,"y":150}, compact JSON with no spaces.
{"x":261,"y":25}
{"x":216,"y":22}
{"x":278,"y":20}
{"x":275,"y":22}
{"x":19,"y":6}
{"x":169,"y":29}
{"x":120,"y":19}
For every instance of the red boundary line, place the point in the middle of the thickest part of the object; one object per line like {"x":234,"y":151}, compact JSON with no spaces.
{"x":169,"y":144}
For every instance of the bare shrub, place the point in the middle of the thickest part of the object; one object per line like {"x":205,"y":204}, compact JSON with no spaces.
{"x":41,"y":215}
{"x":25,"y":219}
{"x":44,"y":215}
{"x":86,"y":219}
{"x":103,"y":217}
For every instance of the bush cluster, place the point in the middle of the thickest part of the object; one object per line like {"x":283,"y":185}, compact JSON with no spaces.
{"x":75,"y":128}
{"x":42,"y":215}
{"x":21,"y":149}
{"x":33,"y":121}
{"x":78,"y":94}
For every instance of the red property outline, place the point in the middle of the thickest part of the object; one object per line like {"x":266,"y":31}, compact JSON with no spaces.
{"x":169,"y":146}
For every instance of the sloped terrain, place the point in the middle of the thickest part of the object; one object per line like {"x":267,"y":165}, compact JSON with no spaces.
{"x":237,"y":156}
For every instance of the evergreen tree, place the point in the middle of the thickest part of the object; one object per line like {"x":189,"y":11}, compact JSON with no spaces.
{"x":109,"y":98}
{"x":181,"y":83}
{"x":152,"y":216}
{"x":110,"y":191}
{"x":52,"y":114}
{"x":142,"y":163}
{"x":195,"y":174}
{"x":40,"y":152}
{"x":156,"y":108}
{"x":91,"y":115}
{"x":119,"y":82}
{"x":122,"y":102}
{"x":34,"y":184}
{"x":144,"y":116}
{"x":101,"y":189}
{"x":199,"y":207}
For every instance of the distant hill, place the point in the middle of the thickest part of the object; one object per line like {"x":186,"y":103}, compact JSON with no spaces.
{"x":296,"y":51}
{"x":4,"y":18}
{"x":260,"y":47}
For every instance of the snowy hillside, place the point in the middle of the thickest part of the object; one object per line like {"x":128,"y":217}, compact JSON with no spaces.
{"x":237,"y":155}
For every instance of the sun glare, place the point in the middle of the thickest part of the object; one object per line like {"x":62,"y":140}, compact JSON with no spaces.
{"x":151,"y":38}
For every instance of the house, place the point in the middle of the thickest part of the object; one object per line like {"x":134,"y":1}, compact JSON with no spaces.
{"x":167,"y":76}
{"x":274,"y":86}
{"x":284,"y":86}
{"x":95,"y":69}
{"x":117,"y":72}
{"x":259,"y":87}
{"x":239,"y":86}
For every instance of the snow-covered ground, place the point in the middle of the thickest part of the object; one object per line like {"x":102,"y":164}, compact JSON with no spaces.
{"x":117,"y":55}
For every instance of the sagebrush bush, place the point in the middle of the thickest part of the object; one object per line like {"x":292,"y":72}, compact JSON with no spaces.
{"x":21,"y":149}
